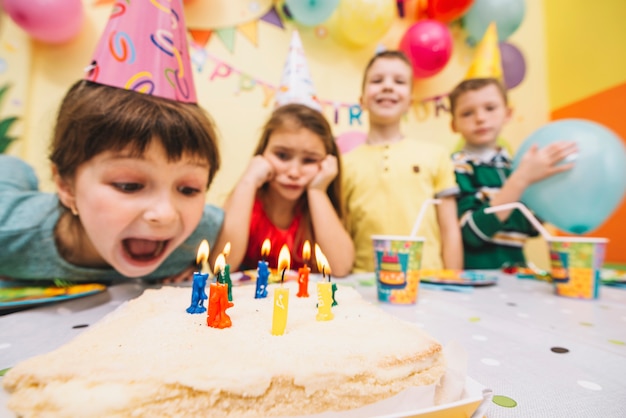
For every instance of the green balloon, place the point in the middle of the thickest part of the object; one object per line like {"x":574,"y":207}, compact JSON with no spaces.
{"x":507,"y":14}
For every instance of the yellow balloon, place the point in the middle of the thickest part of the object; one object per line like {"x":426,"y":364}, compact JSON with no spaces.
{"x":362,"y":22}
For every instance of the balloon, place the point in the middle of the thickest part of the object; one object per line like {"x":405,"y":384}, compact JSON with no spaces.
{"x":347,"y":141}
{"x":311,"y":12}
{"x":50,"y":21}
{"x":508,"y":15}
{"x":581,"y":199}
{"x":428,"y":45}
{"x":513,"y":65}
{"x":362,"y":22}
{"x":447,"y":10}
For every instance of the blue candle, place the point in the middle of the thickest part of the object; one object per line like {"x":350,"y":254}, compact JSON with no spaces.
{"x":198,"y":293}
{"x":262,"y":276}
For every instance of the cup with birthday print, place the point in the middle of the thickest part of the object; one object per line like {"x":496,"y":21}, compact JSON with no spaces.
{"x":397,"y":261}
{"x":576,"y":263}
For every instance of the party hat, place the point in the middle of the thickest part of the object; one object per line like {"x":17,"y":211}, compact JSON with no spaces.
{"x":144,"y":48}
{"x":296,"y":85}
{"x":487,"y":62}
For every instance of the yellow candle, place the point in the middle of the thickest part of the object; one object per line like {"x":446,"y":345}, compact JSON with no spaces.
{"x":281,"y":306}
{"x":324,"y":301}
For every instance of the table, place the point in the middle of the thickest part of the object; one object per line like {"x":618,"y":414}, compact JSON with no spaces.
{"x":541,"y":354}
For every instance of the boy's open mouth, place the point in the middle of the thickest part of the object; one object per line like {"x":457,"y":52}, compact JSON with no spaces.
{"x":144,"y":249}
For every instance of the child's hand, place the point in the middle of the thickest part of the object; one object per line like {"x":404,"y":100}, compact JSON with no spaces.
{"x":328,"y":171}
{"x":539,"y":163}
{"x":259,"y":171}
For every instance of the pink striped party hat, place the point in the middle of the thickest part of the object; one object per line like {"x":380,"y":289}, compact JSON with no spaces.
{"x":144,"y":49}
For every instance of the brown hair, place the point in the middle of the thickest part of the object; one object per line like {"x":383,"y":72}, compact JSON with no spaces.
{"x":473,"y":84}
{"x":94,"y":118}
{"x":390,"y":54}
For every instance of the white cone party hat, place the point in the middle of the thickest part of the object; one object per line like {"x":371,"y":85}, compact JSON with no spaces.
{"x":296,"y":85}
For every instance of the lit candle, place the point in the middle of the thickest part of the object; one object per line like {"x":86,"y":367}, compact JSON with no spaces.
{"x":303,"y":272}
{"x":198,"y":293}
{"x":218,"y":299}
{"x":324,"y":288}
{"x":281,"y":295}
{"x":218,"y":270}
{"x":226,"y":278}
{"x":262,"y":271}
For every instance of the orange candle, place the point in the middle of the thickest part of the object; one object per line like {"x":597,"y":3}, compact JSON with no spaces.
{"x":218,"y":299}
{"x":281,"y":295}
{"x":303,"y":272}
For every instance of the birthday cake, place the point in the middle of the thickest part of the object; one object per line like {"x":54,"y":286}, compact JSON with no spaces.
{"x":151,"y":358}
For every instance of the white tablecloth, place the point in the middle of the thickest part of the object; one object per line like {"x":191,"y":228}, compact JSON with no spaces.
{"x":541,"y":354}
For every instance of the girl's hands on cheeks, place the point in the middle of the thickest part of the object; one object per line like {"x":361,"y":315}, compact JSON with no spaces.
{"x":328,"y":171}
{"x":259,"y":171}
{"x":539,"y":163}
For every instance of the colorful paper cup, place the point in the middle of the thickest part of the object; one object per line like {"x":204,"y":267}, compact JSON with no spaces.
{"x":575,"y":265}
{"x":397,"y":262}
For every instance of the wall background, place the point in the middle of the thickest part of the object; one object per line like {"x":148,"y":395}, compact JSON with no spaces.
{"x":586,"y":63}
{"x":229,"y":60}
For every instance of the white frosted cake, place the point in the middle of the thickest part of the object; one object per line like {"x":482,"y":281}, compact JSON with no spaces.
{"x":151,"y":358}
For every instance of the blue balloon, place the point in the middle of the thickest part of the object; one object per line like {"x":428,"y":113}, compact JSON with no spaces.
{"x":311,"y":12}
{"x":581,"y":199}
{"x":507,"y":14}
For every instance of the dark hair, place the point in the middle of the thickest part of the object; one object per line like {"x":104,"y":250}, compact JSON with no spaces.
{"x":293,"y":116}
{"x":94,"y":118}
{"x":473,"y":84}
{"x":390,"y":54}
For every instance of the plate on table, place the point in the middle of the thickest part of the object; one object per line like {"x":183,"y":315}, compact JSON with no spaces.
{"x":459,"y":277}
{"x":15,"y":295}
{"x":612,"y":277}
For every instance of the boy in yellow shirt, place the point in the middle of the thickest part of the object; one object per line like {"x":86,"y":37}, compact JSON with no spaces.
{"x":387,"y":180}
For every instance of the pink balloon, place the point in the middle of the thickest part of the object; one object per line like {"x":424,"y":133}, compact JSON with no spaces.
{"x":350,"y":140}
{"x":50,"y":21}
{"x":428,"y":45}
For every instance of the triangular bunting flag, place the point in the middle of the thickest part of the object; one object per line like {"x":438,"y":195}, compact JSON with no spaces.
{"x":249,"y":30}
{"x":200,"y":36}
{"x":272,"y":17}
{"x":227,"y":36}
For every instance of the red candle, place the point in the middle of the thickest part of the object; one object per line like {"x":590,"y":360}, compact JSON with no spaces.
{"x":303,"y":272}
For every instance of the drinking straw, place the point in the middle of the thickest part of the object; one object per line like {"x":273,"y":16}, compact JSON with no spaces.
{"x":421,"y":214}
{"x":527,"y":213}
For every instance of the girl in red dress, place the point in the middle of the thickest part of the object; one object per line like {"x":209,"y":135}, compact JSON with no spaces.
{"x":289,"y":193}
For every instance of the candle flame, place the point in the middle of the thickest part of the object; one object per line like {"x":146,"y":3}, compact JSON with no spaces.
{"x":226,"y":251}
{"x":220,"y":263}
{"x":266,"y":247}
{"x":306,"y":250}
{"x":203,"y":252}
{"x":284,"y":258}
{"x":322,"y":262}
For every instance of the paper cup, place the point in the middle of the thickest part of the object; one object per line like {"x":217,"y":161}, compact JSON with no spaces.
{"x":575,"y":265}
{"x":397,"y":262}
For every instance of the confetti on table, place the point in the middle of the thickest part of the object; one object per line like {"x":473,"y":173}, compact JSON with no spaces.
{"x":504,"y":401}
{"x":559,"y":350}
